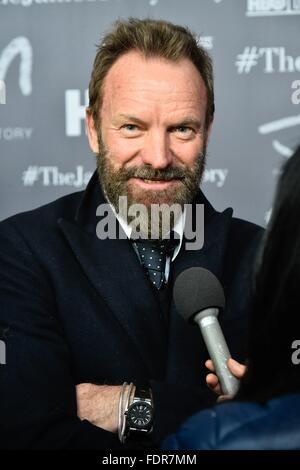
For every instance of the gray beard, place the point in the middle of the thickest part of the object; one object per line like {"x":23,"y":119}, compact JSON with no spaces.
{"x":160,"y":210}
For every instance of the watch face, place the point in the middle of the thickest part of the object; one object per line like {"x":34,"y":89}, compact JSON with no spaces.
{"x":140,"y":415}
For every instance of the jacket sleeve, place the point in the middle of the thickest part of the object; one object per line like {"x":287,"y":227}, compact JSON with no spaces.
{"x":37,"y":390}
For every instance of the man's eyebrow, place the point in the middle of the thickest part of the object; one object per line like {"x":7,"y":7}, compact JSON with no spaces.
{"x":188,"y":121}
{"x":130,"y":117}
{"x":185,"y":121}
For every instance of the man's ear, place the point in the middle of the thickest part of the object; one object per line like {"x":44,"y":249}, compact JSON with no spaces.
{"x":91,"y":132}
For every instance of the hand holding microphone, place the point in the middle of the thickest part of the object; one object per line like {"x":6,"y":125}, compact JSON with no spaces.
{"x":198,"y":296}
{"x":237,"y":369}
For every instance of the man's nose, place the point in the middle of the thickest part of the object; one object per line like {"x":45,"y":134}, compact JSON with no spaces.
{"x":156,"y":150}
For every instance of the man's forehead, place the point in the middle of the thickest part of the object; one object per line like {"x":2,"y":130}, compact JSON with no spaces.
{"x":141,"y":110}
{"x":133,"y":70}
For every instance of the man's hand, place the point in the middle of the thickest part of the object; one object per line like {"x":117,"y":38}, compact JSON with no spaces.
{"x":99,"y":405}
{"x":237,"y":369}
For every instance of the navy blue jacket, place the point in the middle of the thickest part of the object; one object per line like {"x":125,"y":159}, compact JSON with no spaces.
{"x":75,"y":309}
{"x":242,"y":426}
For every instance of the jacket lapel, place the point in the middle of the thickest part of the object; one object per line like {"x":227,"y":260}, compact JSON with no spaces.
{"x":114,"y":270}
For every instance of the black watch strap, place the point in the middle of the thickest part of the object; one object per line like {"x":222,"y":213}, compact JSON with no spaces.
{"x":143,"y":393}
{"x":142,"y":401}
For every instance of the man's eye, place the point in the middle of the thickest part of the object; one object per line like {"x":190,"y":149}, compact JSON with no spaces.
{"x":130,"y":127}
{"x":131,"y":130}
{"x":184,"y":131}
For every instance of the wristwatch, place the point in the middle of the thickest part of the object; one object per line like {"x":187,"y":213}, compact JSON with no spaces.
{"x":139,"y":415}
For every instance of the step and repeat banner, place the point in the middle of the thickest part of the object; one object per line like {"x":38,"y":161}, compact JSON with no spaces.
{"x":47,"y":49}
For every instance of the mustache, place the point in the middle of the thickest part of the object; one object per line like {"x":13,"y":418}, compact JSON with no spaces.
{"x":147,"y":172}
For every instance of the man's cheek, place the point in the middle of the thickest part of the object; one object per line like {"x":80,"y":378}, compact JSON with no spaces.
{"x":187,"y":152}
{"x":123,"y":151}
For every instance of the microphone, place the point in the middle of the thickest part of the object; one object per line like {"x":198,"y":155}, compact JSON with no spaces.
{"x":198,"y":296}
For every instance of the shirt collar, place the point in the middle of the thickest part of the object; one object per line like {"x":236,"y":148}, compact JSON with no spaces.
{"x":178,"y":227}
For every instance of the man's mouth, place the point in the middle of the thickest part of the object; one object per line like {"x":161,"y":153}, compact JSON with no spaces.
{"x":155,"y":183}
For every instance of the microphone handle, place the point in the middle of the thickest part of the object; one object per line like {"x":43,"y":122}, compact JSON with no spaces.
{"x":217,"y":349}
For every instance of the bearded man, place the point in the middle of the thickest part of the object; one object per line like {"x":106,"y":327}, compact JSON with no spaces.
{"x":97,"y":355}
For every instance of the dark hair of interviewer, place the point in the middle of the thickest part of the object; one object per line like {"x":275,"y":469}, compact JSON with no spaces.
{"x":276,"y":313}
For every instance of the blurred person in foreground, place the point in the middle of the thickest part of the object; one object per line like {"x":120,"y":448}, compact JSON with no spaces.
{"x":265,"y":413}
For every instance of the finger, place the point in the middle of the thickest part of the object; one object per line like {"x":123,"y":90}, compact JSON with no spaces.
{"x":212,"y":380}
{"x":210,"y":365}
{"x":213,"y":383}
{"x":237,"y":369}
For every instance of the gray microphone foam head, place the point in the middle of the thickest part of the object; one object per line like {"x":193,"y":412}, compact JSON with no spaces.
{"x":196,"y":289}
